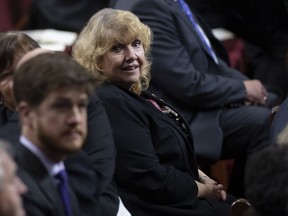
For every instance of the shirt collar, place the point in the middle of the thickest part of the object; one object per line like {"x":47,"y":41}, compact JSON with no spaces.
{"x":51,"y":167}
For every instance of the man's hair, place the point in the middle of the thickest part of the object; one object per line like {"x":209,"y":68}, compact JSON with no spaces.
{"x":13,"y":45}
{"x":47,"y":72}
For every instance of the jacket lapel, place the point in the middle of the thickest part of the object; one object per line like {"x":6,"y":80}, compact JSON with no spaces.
{"x":51,"y":192}
{"x":181,"y":14}
{"x":34,"y":167}
{"x":189,"y":140}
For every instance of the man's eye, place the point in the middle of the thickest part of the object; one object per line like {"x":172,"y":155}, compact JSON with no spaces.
{"x":83,"y":105}
{"x":61,"y":105}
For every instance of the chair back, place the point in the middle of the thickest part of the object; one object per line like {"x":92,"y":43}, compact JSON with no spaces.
{"x":241,"y":207}
{"x":279,"y":120}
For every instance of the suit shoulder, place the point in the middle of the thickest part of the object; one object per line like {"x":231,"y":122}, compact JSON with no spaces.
{"x":108,"y":91}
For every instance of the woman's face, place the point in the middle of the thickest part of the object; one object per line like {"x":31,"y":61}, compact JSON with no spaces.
{"x":123,"y":63}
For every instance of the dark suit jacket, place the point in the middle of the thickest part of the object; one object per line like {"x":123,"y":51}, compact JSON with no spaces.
{"x":156,"y":167}
{"x":69,"y":15}
{"x":184,"y":74}
{"x":42,"y":197}
{"x":99,"y":146}
{"x":264,"y":25}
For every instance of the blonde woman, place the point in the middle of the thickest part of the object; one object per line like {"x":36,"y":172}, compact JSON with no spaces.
{"x":156,"y":170}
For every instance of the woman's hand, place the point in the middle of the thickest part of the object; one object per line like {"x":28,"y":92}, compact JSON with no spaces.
{"x":208,"y":187}
{"x":211,"y":190}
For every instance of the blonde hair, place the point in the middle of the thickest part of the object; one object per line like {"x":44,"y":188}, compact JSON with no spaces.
{"x":101,"y":32}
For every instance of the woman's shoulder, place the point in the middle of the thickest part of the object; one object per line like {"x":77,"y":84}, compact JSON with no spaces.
{"x":108,"y":89}
{"x":111,"y":92}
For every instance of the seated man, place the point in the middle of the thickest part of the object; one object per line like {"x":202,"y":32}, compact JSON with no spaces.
{"x":98,"y":146}
{"x":54,"y":125}
{"x":11,"y":186}
{"x":264,"y":32}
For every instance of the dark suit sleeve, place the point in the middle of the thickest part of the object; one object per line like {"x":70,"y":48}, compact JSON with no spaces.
{"x":100,"y":147}
{"x":99,"y":144}
{"x":174,"y":61}
{"x":138,"y":167}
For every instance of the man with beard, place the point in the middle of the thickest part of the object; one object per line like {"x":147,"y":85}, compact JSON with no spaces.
{"x":98,"y":149}
{"x":52,"y":103}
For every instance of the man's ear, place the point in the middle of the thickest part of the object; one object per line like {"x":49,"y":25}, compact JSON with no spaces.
{"x":25,"y":113}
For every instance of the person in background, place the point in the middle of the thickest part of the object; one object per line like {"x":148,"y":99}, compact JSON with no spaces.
{"x":263,"y":27}
{"x":53,"y":125}
{"x":156,"y":171}
{"x":11,"y":186}
{"x":266,"y":180}
{"x":69,"y":15}
{"x":13,"y":45}
{"x":227,"y":112}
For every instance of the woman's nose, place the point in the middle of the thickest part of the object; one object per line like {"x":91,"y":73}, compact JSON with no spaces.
{"x":130,"y":54}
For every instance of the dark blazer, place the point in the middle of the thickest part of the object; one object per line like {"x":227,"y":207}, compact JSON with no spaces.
{"x":264,"y":25}
{"x":69,"y":15}
{"x":156,"y":168}
{"x":99,"y":146}
{"x":184,"y":74}
{"x":42,"y":197}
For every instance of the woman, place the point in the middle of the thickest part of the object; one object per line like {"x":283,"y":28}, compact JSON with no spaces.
{"x":156,"y":171}
{"x":13,"y":45}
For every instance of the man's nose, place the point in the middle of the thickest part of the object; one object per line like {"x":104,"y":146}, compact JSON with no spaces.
{"x":76,"y":115}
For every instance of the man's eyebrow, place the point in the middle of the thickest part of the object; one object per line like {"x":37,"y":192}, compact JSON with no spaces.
{"x":65,"y":99}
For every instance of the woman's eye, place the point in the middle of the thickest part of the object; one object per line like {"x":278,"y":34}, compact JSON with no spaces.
{"x":117,"y":48}
{"x":137,"y":43}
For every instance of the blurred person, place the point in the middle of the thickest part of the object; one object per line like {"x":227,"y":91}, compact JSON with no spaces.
{"x":98,"y":146}
{"x":156,"y":171}
{"x":13,"y":45}
{"x":227,"y":113}
{"x":69,"y":15}
{"x":11,"y":186}
{"x":266,"y":180}
{"x":31,"y":54}
{"x":53,"y":125}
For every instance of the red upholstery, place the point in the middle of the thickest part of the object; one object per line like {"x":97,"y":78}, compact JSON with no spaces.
{"x":5,"y":16}
{"x":235,"y":49}
{"x":12,"y":12}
